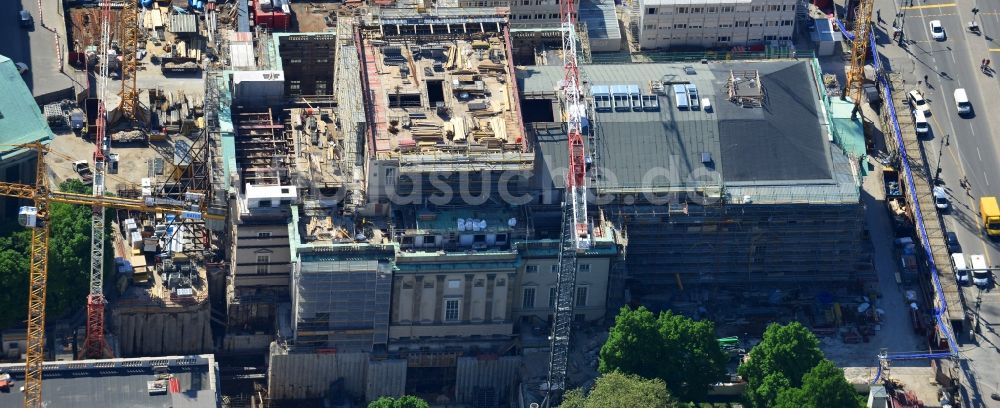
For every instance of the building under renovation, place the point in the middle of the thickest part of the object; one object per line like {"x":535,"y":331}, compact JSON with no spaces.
{"x":719,"y":175}
{"x":407,"y":265}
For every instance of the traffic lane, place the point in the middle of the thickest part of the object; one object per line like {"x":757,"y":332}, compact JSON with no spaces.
{"x":971,"y":135}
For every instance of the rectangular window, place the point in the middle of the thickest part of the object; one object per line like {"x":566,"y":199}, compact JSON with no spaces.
{"x":770,"y":37}
{"x":741,"y":23}
{"x":697,"y":10}
{"x":774,"y":7}
{"x":680,"y":25}
{"x":651,"y":10}
{"x":758,"y":8}
{"x":263,"y":235}
{"x":262,"y":263}
{"x":531,"y":269}
{"x":713,"y":9}
{"x":727,"y":9}
{"x":725,"y":25}
{"x":554,"y":268}
{"x":451,"y":312}
{"x":725,"y":39}
{"x":264,"y":203}
{"x":786,"y":23}
{"x":552,"y":298}
{"x":581,"y":296}
{"x":650,"y":26}
{"x":682,"y":10}
{"x":528,"y":301}
{"x":583,"y":268}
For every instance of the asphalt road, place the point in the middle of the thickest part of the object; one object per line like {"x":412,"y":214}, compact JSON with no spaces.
{"x":36,"y":46}
{"x":962,"y":147}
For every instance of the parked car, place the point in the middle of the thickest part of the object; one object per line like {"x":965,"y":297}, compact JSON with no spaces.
{"x":952,"y":240}
{"x":917,"y":102}
{"x":24,"y":17}
{"x":937,"y":31}
{"x":940,"y":198}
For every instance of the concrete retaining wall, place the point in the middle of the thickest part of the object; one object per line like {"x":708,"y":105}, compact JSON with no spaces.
{"x":163,"y":333}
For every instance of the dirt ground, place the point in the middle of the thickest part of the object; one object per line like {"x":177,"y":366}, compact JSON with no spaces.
{"x":132,"y":166}
{"x":309,"y":16}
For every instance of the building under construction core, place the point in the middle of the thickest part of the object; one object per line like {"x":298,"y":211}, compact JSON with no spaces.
{"x":719,"y":175}
{"x":443,"y":103}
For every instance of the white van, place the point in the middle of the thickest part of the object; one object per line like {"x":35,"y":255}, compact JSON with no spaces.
{"x":961,"y":269}
{"x":920,"y":122}
{"x":980,"y":271}
{"x":962,"y":102}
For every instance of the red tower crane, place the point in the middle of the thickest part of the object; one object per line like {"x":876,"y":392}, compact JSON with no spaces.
{"x":575,"y":234}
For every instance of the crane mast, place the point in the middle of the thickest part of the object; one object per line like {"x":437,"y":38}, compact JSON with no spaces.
{"x":575,"y":234}
{"x":95,"y":345}
{"x":35,"y":353}
{"x":36,"y":218}
{"x":129,"y":42}
{"x":859,"y":50}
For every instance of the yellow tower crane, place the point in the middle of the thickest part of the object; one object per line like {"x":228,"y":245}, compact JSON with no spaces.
{"x":36,"y":218}
{"x":859,"y":50}
{"x":129,"y":34}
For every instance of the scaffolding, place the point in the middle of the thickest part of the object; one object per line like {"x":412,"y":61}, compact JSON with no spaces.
{"x":351,"y":114}
{"x":745,"y":89}
{"x":263,"y":151}
{"x":739,"y":244}
{"x":341,"y":301}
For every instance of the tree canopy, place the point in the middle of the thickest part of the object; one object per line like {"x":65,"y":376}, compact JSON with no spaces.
{"x":787,"y":369}
{"x":684,"y":353}
{"x":822,"y":387}
{"x":406,"y":401}
{"x":69,"y":260}
{"x":617,"y":390}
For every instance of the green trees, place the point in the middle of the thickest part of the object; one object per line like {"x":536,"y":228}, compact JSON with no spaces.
{"x":406,"y":401}
{"x":682,"y":352}
{"x":617,"y":390}
{"x":822,"y":387}
{"x":69,"y":260}
{"x":787,"y":369}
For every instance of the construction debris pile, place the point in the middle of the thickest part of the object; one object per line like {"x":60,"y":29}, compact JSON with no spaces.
{"x":175,"y":111}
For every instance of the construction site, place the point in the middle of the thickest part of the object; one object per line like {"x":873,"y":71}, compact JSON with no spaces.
{"x":340,"y":203}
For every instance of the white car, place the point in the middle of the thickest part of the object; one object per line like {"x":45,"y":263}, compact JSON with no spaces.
{"x":917,"y":102}
{"x":937,"y":32}
{"x":940,"y":198}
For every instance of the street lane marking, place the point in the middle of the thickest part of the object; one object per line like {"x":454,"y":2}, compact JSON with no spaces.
{"x":929,"y":6}
{"x":987,"y":178}
{"x":978,"y":153}
{"x":932,"y":15}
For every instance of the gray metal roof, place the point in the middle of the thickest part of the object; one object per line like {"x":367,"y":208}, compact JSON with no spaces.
{"x":183,"y":23}
{"x":120,"y":383}
{"x":601,"y":19}
{"x":782,"y":144}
